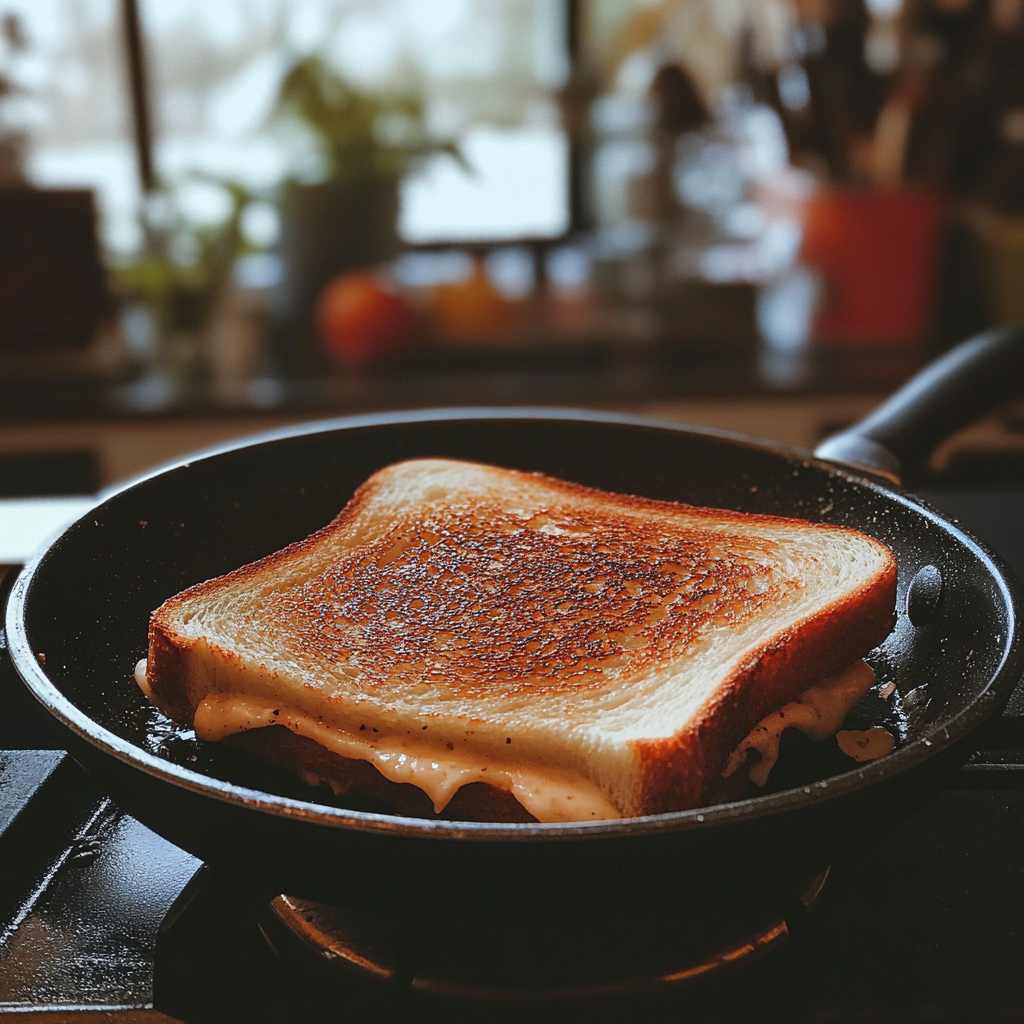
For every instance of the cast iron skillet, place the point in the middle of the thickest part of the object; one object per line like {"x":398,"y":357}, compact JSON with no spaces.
{"x":84,"y":604}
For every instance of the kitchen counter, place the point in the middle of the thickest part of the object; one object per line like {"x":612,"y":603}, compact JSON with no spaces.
{"x":115,"y":430}
{"x":613,"y":378}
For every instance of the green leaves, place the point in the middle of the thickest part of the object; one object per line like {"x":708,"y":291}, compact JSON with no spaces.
{"x":352,"y":135}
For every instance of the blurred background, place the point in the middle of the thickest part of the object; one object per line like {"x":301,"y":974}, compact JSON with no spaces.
{"x":761,"y":215}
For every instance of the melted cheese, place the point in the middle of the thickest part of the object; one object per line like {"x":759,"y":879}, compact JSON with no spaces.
{"x":866,"y":745}
{"x":140,"y":678}
{"x":818,"y":713}
{"x":548,"y":794}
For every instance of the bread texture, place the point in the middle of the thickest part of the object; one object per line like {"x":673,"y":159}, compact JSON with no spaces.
{"x":591,"y":654}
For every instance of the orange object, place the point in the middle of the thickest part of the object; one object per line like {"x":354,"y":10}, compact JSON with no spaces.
{"x":361,"y":322}
{"x":473,"y":310}
{"x":878,"y":255}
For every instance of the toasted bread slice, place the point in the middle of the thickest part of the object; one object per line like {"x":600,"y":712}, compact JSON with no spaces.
{"x":595,"y":655}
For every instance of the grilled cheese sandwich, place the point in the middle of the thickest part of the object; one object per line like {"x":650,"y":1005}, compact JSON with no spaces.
{"x":591,"y":655}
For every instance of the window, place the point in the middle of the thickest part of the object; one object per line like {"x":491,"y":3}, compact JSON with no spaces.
{"x":487,"y":71}
{"x":63,"y":59}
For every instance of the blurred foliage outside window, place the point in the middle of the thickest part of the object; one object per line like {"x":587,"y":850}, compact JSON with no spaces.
{"x":484,"y":72}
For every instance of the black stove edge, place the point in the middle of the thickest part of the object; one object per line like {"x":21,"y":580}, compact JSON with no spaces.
{"x":82,"y":893}
{"x":51,"y":808}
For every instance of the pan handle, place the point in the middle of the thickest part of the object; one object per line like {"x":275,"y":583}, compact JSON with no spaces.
{"x":951,"y":392}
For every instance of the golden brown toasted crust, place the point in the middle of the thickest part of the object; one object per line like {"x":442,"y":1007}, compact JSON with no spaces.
{"x":779,"y":672}
{"x":167,"y":670}
{"x":488,"y":607}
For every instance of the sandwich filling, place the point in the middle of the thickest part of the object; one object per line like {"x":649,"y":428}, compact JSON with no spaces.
{"x":548,"y":794}
{"x":817,"y":713}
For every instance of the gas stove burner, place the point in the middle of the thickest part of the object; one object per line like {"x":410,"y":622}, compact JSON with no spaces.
{"x":566,"y":957}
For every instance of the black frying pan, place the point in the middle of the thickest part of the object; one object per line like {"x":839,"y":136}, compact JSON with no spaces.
{"x":85,"y":605}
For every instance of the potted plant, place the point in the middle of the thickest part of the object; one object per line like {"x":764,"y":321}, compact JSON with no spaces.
{"x":339,"y":205}
{"x":183,"y":269}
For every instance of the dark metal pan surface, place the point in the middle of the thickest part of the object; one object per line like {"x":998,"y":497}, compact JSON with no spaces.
{"x":78,"y":615}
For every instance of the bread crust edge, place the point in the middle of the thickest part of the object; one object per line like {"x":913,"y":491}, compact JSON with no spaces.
{"x":769,"y":677}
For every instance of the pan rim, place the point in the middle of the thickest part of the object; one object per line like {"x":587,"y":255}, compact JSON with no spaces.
{"x":94,"y":734}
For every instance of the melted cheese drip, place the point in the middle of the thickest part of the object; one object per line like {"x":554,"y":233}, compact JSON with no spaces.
{"x":818,"y":713}
{"x":548,"y":794}
{"x":866,"y":745}
{"x":140,"y":678}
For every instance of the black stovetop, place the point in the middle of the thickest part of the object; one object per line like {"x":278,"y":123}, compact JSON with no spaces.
{"x":924,"y":922}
